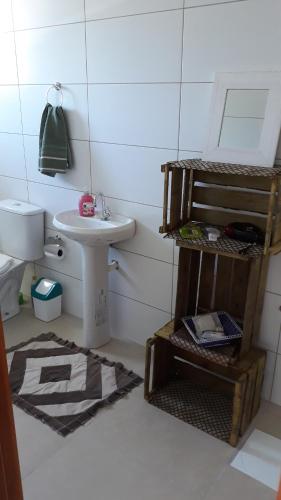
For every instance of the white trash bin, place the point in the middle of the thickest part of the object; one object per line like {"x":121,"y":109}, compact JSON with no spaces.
{"x":46,"y":296}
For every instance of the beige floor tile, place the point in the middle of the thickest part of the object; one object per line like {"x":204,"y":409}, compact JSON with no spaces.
{"x":129,"y":450}
{"x":233,"y":485}
{"x":36,"y":441}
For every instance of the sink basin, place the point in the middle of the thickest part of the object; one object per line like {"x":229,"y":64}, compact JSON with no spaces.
{"x":94,"y":237}
{"x":93,"y":231}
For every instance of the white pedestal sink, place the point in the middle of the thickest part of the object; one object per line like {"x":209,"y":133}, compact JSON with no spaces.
{"x":94,"y":236}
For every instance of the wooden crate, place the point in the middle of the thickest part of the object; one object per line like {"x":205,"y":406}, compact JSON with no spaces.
{"x":221,"y":401}
{"x":218,"y":194}
{"x":209,"y":282}
{"x":215,"y":276}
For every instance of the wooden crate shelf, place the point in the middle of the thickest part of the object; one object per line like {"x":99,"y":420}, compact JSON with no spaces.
{"x":217,"y":389}
{"x":218,"y":400}
{"x":217,"y":194}
{"x":223,"y":246}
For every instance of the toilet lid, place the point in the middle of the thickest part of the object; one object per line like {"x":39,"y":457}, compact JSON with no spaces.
{"x":5,"y":262}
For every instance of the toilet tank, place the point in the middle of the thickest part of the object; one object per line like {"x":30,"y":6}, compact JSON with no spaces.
{"x":21,"y":230}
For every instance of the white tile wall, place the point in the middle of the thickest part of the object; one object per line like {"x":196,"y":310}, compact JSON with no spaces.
{"x":52,"y":199}
{"x":8,"y":73}
{"x":155,"y":57}
{"x":13,"y":188}
{"x":147,"y":240}
{"x":12,"y":156}
{"x":129,"y":173}
{"x":175,"y":284}
{"x":195,"y":103}
{"x":95,"y":9}
{"x":269,"y":374}
{"x":200,"y":3}
{"x":142,"y":279}
{"x":6,"y":19}
{"x":135,"y":114}
{"x":276,"y":389}
{"x":57,"y":54}
{"x":10,"y":117}
{"x":273,"y":278}
{"x":124,"y":72}
{"x":127,"y":315}
{"x":34,"y":14}
{"x":270,"y":323}
{"x":232,"y":36}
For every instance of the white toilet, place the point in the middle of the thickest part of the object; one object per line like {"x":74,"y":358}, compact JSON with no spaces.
{"x":21,"y":241}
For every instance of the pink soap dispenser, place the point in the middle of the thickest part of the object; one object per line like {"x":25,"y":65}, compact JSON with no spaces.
{"x":86,"y":205}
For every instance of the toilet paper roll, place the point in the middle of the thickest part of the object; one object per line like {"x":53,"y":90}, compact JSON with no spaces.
{"x":54,"y":251}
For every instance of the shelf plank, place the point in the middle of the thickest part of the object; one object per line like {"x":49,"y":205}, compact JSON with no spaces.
{"x":223,"y":246}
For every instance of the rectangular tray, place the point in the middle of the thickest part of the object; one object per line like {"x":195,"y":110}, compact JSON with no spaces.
{"x":231,"y":331}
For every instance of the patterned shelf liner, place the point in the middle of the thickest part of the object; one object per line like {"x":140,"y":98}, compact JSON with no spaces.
{"x":226,"y":168}
{"x":195,"y":404}
{"x":224,"y":356}
{"x":223,"y":244}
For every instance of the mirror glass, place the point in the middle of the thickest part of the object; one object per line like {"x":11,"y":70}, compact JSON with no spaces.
{"x":243,"y":118}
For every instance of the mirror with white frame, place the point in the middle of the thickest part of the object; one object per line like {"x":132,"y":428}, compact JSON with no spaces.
{"x":245,"y":118}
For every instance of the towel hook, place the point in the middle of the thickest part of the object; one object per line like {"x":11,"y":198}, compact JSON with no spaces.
{"x":56,"y":86}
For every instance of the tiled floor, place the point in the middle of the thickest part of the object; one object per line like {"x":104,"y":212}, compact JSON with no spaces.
{"x":130,"y":450}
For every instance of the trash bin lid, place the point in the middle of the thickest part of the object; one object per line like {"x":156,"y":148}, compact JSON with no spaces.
{"x":46,"y":289}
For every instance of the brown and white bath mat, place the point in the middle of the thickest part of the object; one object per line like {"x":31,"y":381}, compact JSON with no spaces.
{"x":64,"y":385}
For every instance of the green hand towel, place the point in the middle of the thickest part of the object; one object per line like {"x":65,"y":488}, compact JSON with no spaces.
{"x":54,"y":149}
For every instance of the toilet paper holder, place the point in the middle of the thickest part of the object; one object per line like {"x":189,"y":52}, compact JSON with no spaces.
{"x":54,"y":248}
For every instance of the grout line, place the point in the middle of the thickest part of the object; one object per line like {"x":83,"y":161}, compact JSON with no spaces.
{"x":135,"y":145}
{"x":244,"y":117}
{"x":133,"y":201}
{"x":85,"y":21}
{"x":19,"y":99}
{"x":45,"y":84}
{"x":168,"y":82}
{"x":273,"y":374}
{"x":20,"y":103}
{"x":14,"y":178}
{"x":222,"y":2}
{"x":139,"y":302}
{"x":47,"y":26}
{"x":141,"y":255}
{"x":273,"y":293}
{"x":112,"y":143}
{"x":111,"y":291}
{"x":87,"y":98}
{"x":133,"y":15}
{"x":181,"y":73}
{"x":60,"y":272}
{"x":31,"y":181}
{"x":172,"y":287}
{"x":11,"y":133}
{"x":36,"y":135}
{"x":52,"y":228}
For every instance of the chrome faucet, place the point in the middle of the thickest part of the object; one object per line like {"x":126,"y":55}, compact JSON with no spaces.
{"x":105,"y":211}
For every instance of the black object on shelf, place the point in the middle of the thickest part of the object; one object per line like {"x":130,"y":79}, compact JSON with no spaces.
{"x":244,"y":231}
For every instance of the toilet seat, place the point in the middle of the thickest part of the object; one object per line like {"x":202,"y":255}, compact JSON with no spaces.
{"x":5,"y":263}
